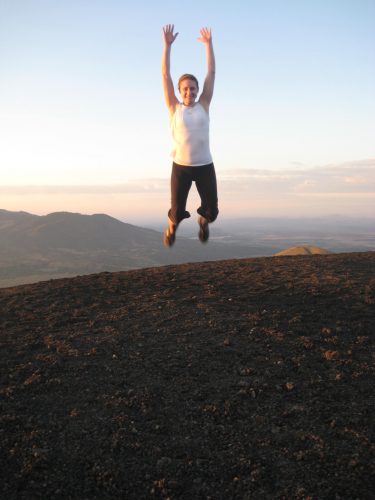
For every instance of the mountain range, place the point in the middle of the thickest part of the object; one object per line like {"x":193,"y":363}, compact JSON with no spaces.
{"x":63,"y":244}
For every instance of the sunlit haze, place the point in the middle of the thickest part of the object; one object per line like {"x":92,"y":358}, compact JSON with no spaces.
{"x":84,"y":127}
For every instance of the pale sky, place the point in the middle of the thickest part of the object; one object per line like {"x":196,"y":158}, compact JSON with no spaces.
{"x":84,"y":127}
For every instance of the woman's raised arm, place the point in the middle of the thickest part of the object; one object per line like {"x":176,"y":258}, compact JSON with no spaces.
{"x":169,"y":94}
{"x":208,"y":87}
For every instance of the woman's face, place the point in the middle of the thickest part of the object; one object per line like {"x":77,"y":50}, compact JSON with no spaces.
{"x":188,"y":91}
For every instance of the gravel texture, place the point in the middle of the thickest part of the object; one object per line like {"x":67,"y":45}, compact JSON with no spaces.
{"x":240,"y":379}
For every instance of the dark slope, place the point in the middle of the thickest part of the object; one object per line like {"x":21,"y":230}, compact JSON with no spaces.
{"x":245,"y":379}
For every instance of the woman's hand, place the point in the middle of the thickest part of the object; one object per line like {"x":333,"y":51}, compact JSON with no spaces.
{"x":169,"y":37}
{"x":206,"y":36}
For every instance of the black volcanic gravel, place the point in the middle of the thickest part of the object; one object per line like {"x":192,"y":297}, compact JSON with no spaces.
{"x":241,"y":379}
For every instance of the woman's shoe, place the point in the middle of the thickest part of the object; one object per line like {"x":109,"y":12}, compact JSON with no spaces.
{"x":169,"y":238}
{"x":204,"y":232}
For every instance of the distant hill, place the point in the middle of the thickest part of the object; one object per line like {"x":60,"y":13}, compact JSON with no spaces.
{"x":236,"y":379}
{"x":63,"y":244}
{"x":304,"y":250}
{"x":65,"y":230}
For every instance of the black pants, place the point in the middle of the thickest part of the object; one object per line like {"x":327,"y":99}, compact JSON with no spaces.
{"x":181,"y":180}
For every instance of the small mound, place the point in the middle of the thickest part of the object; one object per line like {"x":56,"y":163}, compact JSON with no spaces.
{"x":304,"y":250}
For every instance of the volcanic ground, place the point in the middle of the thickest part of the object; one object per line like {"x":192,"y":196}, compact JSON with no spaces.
{"x":238,"y":379}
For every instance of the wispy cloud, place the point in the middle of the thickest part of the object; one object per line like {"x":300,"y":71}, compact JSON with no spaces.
{"x":349,"y":177}
{"x":347,"y":188}
{"x":131,"y":187}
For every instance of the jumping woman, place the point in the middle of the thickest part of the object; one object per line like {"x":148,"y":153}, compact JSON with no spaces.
{"x":189,"y":123}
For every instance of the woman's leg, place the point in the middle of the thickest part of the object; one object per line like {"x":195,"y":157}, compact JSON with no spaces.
{"x":205,"y":179}
{"x":181,"y":181}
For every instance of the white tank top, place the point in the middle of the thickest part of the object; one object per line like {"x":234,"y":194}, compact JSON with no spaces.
{"x":190,"y":134}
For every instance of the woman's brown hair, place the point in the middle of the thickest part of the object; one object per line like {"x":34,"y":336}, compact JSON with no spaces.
{"x":187,"y":76}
